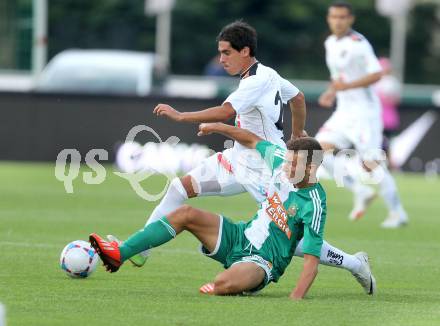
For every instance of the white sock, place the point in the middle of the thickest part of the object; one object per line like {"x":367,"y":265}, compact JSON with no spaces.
{"x":332,"y":256}
{"x":388,"y":188}
{"x":328,"y":162}
{"x":173,"y":199}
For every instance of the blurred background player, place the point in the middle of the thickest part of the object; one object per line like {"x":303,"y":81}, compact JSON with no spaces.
{"x":357,"y":121}
{"x":389,"y":90}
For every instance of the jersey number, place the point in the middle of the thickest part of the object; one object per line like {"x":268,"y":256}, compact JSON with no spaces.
{"x":278,"y":101}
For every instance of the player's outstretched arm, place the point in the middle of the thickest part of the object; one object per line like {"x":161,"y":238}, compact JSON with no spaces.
{"x":243,"y":136}
{"x":328,"y":98}
{"x":216,"y":114}
{"x":298,"y":108}
{"x":370,"y":79}
{"x":308,"y":274}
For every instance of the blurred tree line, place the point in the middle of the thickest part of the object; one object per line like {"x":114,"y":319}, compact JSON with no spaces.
{"x":291,"y":33}
{"x":15,"y":34}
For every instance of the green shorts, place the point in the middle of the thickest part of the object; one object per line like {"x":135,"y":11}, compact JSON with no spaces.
{"x":233,"y":248}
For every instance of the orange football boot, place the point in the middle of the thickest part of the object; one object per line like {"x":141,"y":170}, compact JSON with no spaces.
{"x":108,"y":251}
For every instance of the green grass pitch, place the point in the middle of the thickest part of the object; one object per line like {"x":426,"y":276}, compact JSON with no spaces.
{"x":38,"y":218}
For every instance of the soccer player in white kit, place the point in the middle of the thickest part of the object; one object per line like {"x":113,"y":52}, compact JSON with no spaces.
{"x":357,"y":121}
{"x":257,"y":106}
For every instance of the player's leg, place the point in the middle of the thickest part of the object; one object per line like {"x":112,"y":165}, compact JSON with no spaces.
{"x":397,"y":216}
{"x":211,"y":177}
{"x":332,"y":256}
{"x":204,"y":225}
{"x":373,"y":162}
{"x":179,"y":190}
{"x":332,"y":136}
{"x":357,"y":264}
{"x":329,"y":163}
{"x":239,"y":278}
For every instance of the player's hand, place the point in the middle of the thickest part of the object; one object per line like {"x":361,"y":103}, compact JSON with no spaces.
{"x":327,"y":99}
{"x":206,"y":129}
{"x":167,"y":111}
{"x":339,"y":85}
{"x":302,"y":135}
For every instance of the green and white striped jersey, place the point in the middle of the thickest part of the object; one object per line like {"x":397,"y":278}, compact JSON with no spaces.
{"x":287,"y":215}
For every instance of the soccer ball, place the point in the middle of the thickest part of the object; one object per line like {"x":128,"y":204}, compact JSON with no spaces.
{"x":78,"y":259}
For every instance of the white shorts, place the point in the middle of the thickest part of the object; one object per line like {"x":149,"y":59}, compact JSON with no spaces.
{"x":361,"y":132}
{"x":225,"y":174}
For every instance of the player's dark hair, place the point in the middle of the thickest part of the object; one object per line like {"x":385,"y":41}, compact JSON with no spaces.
{"x":343,"y":4}
{"x":309,"y":144}
{"x":240,"y":35}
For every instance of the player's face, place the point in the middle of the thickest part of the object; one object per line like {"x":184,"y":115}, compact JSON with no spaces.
{"x":295,"y":167}
{"x":233,"y":61}
{"x":339,"y":20}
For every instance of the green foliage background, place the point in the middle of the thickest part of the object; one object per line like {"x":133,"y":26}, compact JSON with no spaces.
{"x":291,"y":33}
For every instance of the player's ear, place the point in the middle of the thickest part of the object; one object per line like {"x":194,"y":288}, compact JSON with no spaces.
{"x":352,"y":19}
{"x":245,"y":52}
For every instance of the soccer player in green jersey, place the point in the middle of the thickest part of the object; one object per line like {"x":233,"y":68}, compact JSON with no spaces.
{"x":257,"y":252}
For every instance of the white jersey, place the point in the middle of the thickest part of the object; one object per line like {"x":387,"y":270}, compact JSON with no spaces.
{"x":258,"y":103}
{"x":350,"y":58}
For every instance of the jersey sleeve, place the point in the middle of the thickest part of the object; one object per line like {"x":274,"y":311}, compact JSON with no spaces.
{"x":314,"y":214}
{"x":288,"y":90}
{"x":272,"y":154}
{"x":369,"y":59}
{"x":246,"y":95}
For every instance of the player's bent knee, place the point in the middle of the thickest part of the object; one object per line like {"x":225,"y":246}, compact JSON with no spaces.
{"x":183,"y":215}
{"x":188,"y":185}
{"x":185,"y":211}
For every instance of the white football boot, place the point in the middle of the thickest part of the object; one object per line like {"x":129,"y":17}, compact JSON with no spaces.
{"x":395,"y":219}
{"x":364,"y":276}
{"x":363,"y":197}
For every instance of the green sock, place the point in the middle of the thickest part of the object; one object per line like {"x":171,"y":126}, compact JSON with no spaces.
{"x":152,"y":235}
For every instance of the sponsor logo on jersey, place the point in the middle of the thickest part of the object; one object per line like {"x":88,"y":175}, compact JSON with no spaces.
{"x":278,"y":214}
